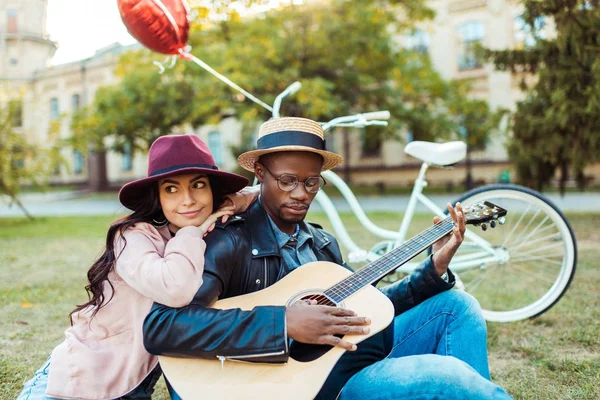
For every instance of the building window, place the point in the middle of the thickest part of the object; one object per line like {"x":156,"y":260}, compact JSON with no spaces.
{"x":13,"y":61}
{"x":18,"y":158}
{"x":54,"y":109}
{"x":418,"y":42}
{"x":75,"y":102}
{"x":11,"y":21}
{"x":371,"y":142}
{"x":78,"y":162}
{"x":216,"y":147}
{"x":525,"y":36}
{"x":127,"y":159}
{"x":16,"y":112}
{"x":470,"y":35}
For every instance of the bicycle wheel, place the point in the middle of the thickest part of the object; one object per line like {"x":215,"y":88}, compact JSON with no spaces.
{"x":536,"y":255}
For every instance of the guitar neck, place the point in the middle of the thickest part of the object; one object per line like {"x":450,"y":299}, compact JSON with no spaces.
{"x":379,"y":268}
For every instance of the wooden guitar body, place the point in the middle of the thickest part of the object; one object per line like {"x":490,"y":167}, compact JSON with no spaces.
{"x":211,"y":379}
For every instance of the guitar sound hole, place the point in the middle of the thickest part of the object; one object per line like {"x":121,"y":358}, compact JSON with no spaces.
{"x":320,"y":299}
{"x":303,"y":352}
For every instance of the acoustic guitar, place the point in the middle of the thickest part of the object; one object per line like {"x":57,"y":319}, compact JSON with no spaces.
{"x":308,"y":366}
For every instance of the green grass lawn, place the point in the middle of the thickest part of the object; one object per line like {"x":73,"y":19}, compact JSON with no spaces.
{"x":43,"y":266}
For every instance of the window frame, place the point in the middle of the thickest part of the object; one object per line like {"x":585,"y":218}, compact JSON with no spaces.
{"x":470,"y":34}
{"x":216,"y":148}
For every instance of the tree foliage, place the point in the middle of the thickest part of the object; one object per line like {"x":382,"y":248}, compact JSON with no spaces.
{"x":23,"y":162}
{"x":557,"y":125}
{"x":346,"y":54}
{"x":142,"y":107}
{"x":343,"y":53}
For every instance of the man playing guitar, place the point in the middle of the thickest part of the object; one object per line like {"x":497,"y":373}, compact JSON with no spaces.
{"x":434,"y":348}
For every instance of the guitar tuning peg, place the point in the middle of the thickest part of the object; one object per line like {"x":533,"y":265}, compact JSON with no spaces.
{"x":502,"y":220}
{"x":484,"y":227}
{"x":493,"y":224}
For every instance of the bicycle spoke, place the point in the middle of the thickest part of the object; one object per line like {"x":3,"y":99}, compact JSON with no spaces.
{"x":536,"y":231}
{"x":544,"y":258}
{"x":538,"y":249}
{"x":535,"y":275}
{"x":524,"y":230}
{"x":472,"y":286}
{"x":554,"y":235}
{"x":515,"y":227}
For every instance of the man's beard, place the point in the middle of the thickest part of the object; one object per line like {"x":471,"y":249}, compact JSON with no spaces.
{"x":292,"y":219}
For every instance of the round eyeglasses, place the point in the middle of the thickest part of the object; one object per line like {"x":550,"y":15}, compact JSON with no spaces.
{"x":289,"y":182}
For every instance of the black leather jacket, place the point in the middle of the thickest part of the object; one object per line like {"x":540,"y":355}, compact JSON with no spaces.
{"x":242,"y":256}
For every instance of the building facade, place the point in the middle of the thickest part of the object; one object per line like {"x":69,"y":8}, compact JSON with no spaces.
{"x":53,"y":93}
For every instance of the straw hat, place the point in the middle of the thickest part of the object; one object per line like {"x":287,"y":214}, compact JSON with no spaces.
{"x":174,"y":155}
{"x":290,"y":134}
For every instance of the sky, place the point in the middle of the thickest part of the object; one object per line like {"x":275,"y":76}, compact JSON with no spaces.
{"x":83,"y":26}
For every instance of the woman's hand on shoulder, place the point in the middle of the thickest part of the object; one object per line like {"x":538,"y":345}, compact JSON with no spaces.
{"x":243,"y":199}
{"x":224,"y":212}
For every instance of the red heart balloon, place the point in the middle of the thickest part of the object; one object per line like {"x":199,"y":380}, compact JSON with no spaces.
{"x":160,"y":25}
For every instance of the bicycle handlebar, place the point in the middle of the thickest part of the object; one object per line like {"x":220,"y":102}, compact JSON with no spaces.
{"x":358,"y":120}
{"x":290,"y":90}
{"x":376,"y":115}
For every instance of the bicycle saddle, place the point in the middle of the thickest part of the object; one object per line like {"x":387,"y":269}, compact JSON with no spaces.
{"x":441,"y":154}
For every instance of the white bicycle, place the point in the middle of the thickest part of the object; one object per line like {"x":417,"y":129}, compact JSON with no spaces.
{"x":518,"y":270}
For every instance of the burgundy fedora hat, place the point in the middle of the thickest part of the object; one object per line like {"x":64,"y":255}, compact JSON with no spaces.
{"x":174,"y":155}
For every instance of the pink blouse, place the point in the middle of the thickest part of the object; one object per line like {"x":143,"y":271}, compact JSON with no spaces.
{"x":104,"y":357}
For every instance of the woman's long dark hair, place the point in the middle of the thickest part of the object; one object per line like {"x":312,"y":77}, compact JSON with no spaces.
{"x":147,"y":210}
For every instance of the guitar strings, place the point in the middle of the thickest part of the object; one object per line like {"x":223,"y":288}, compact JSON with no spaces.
{"x":343,"y":288}
{"x":366,"y":274}
{"x":379,"y":267}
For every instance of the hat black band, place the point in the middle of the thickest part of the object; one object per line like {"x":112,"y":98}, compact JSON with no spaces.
{"x":290,"y":138}
{"x":183,"y":166}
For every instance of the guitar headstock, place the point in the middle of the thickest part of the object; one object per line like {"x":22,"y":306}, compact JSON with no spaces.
{"x":484,"y":212}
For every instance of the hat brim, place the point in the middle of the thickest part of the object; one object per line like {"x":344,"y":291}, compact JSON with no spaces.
{"x":330,"y":160}
{"x":130,"y":193}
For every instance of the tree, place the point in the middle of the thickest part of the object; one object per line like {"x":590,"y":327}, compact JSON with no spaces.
{"x":344,"y":53}
{"x":21,"y":161}
{"x":133,"y":113}
{"x":473,"y":121}
{"x":346,"y":57}
{"x":557,"y":125}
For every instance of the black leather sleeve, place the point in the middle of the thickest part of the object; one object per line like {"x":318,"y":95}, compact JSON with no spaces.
{"x":200,"y":331}
{"x":423,"y":282}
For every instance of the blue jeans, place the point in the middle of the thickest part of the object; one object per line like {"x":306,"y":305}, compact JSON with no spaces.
{"x":439,"y":352}
{"x":35,"y":388}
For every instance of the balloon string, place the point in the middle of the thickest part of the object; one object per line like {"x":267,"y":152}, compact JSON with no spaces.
{"x":161,"y":65}
{"x":187,"y":56}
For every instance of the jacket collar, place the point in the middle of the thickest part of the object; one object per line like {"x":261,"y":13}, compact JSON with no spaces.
{"x":264,"y":242}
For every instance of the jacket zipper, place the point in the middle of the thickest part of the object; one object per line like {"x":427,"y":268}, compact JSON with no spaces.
{"x":239,"y":358}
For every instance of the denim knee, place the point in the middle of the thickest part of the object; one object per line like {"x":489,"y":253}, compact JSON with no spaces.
{"x":462,"y":303}
{"x":428,"y":376}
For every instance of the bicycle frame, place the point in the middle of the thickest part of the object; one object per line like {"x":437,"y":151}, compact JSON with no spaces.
{"x":459,"y":263}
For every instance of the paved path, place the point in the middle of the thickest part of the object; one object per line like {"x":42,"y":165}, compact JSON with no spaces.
{"x":65,"y":204}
